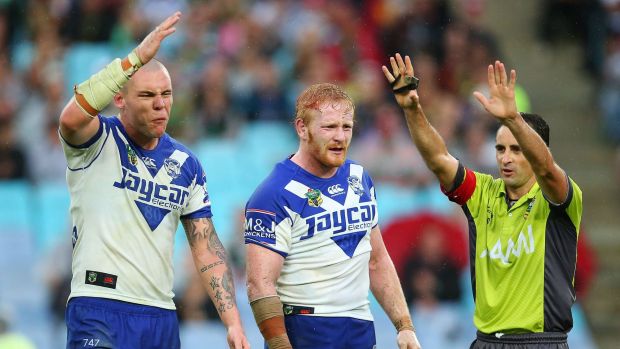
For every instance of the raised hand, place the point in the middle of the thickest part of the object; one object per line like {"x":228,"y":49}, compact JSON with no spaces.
{"x":150,"y":45}
{"x":399,"y":77}
{"x":501,"y":102}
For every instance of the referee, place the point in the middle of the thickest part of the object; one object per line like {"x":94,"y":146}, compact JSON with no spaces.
{"x":523,"y":226}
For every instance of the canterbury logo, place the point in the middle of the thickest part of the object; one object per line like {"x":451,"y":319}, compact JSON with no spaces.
{"x":335,"y":189}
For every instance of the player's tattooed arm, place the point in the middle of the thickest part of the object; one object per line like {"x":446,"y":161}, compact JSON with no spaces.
{"x":211,"y":261}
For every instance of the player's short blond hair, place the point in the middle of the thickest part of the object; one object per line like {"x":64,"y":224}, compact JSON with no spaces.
{"x":316,"y":95}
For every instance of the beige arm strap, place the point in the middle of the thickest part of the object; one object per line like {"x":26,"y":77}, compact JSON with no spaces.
{"x":270,"y":320}
{"x":404,"y":324}
{"x":94,"y":94}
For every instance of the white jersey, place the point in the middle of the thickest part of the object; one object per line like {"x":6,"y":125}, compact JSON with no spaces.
{"x":321,"y":226}
{"x":126,"y":203}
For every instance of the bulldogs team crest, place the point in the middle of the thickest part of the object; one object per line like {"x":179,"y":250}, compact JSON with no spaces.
{"x":173,"y":168}
{"x":314,"y":197}
{"x":131,"y":155}
{"x":92,"y":277}
{"x":356,"y":185}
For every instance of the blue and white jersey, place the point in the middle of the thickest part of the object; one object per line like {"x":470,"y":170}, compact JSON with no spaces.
{"x":321,"y":226}
{"x":126,"y":203}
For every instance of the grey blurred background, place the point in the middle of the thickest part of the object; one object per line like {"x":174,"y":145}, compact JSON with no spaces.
{"x":237,"y":67}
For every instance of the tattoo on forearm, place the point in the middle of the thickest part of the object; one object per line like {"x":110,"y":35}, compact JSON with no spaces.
{"x":215,"y":282}
{"x":229,"y":287}
{"x":223,"y":287}
{"x":215,"y":245}
{"x":198,"y":229}
{"x":205,"y":268}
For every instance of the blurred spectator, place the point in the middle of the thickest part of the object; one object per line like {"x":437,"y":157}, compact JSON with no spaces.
{"x":214,"y":109}
{"x":445,"y":110}
{"x":478,"y":148}
{"x":430,"y":253}
{"x":430,"y":276}
{"x":387,"y":152}
{"x":403,"y":236}
{"x":46,"y":158}
{"x":268,"y":102}
{"x":12,"y":158}
{"x":416,"y":27}
{"x":564,"y":20}
{"x":91,"y":20}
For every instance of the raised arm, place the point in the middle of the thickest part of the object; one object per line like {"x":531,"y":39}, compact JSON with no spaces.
{"x":386,"y":288}
{"x":502,"y":105}
{"x":216,"y":276}
{"x":430,"y":144}
{"x":263,"y":269}
{"x":78,"y":120}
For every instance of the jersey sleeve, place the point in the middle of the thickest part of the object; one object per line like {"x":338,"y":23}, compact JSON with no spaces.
{"x":470,"y":189}
{"x":573,"y":205}
{"x":267,"y":222}
{"x":199,"y":204}
{"x":373,"y":197}
{"x":463,"y":187}
{"x":81,"y":156}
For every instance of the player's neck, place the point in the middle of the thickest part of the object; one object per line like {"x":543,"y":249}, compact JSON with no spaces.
{"x":312,"y":165}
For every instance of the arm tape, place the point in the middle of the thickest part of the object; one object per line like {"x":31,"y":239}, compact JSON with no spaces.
{"x":94,"y":94}
{"x":270,"y":319}
{"x":404,"y":324}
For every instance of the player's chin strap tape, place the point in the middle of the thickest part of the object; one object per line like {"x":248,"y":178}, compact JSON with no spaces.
{"x":404,"y":324}
{"x":94,"y":94}
{"x":411,"y":83}
{"x":270,"y":319}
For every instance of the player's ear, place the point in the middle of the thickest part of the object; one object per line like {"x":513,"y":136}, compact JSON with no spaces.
{"x":119,"y":101}
{"x":301,"y":128}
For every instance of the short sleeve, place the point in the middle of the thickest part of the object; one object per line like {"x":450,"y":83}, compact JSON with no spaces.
{"x":81,"y":156}
{"x":199,"y":203}
{"x":267,"y":223}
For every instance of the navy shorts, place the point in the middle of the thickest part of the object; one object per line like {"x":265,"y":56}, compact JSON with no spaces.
{"x":106,"y":323}
{"x":312,"y":332}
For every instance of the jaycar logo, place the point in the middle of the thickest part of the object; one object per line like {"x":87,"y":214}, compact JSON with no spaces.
{"x":335,"y":190}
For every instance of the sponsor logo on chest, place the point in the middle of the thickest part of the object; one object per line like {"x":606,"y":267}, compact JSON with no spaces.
{"x":523,"y":246}
{"x":161,"y":195}
{"x":341,"y":221}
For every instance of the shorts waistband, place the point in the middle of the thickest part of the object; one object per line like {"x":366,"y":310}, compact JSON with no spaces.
{"x":119,"y":306}
{"x":524,"y":338}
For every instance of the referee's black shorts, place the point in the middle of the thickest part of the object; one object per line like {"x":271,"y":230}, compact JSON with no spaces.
{"x":543,"y":340}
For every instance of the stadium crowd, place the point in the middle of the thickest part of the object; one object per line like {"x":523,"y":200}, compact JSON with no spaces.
{"x":238,"y":66}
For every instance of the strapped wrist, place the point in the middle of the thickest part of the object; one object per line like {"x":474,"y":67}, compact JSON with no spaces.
{"x":270,"y":320}
{"x":403,"y":324}
{"x":94,"y":94}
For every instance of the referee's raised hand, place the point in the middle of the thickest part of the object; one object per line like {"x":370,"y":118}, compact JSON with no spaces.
{"x":150,"y":45}
{"x":403,"y":82}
